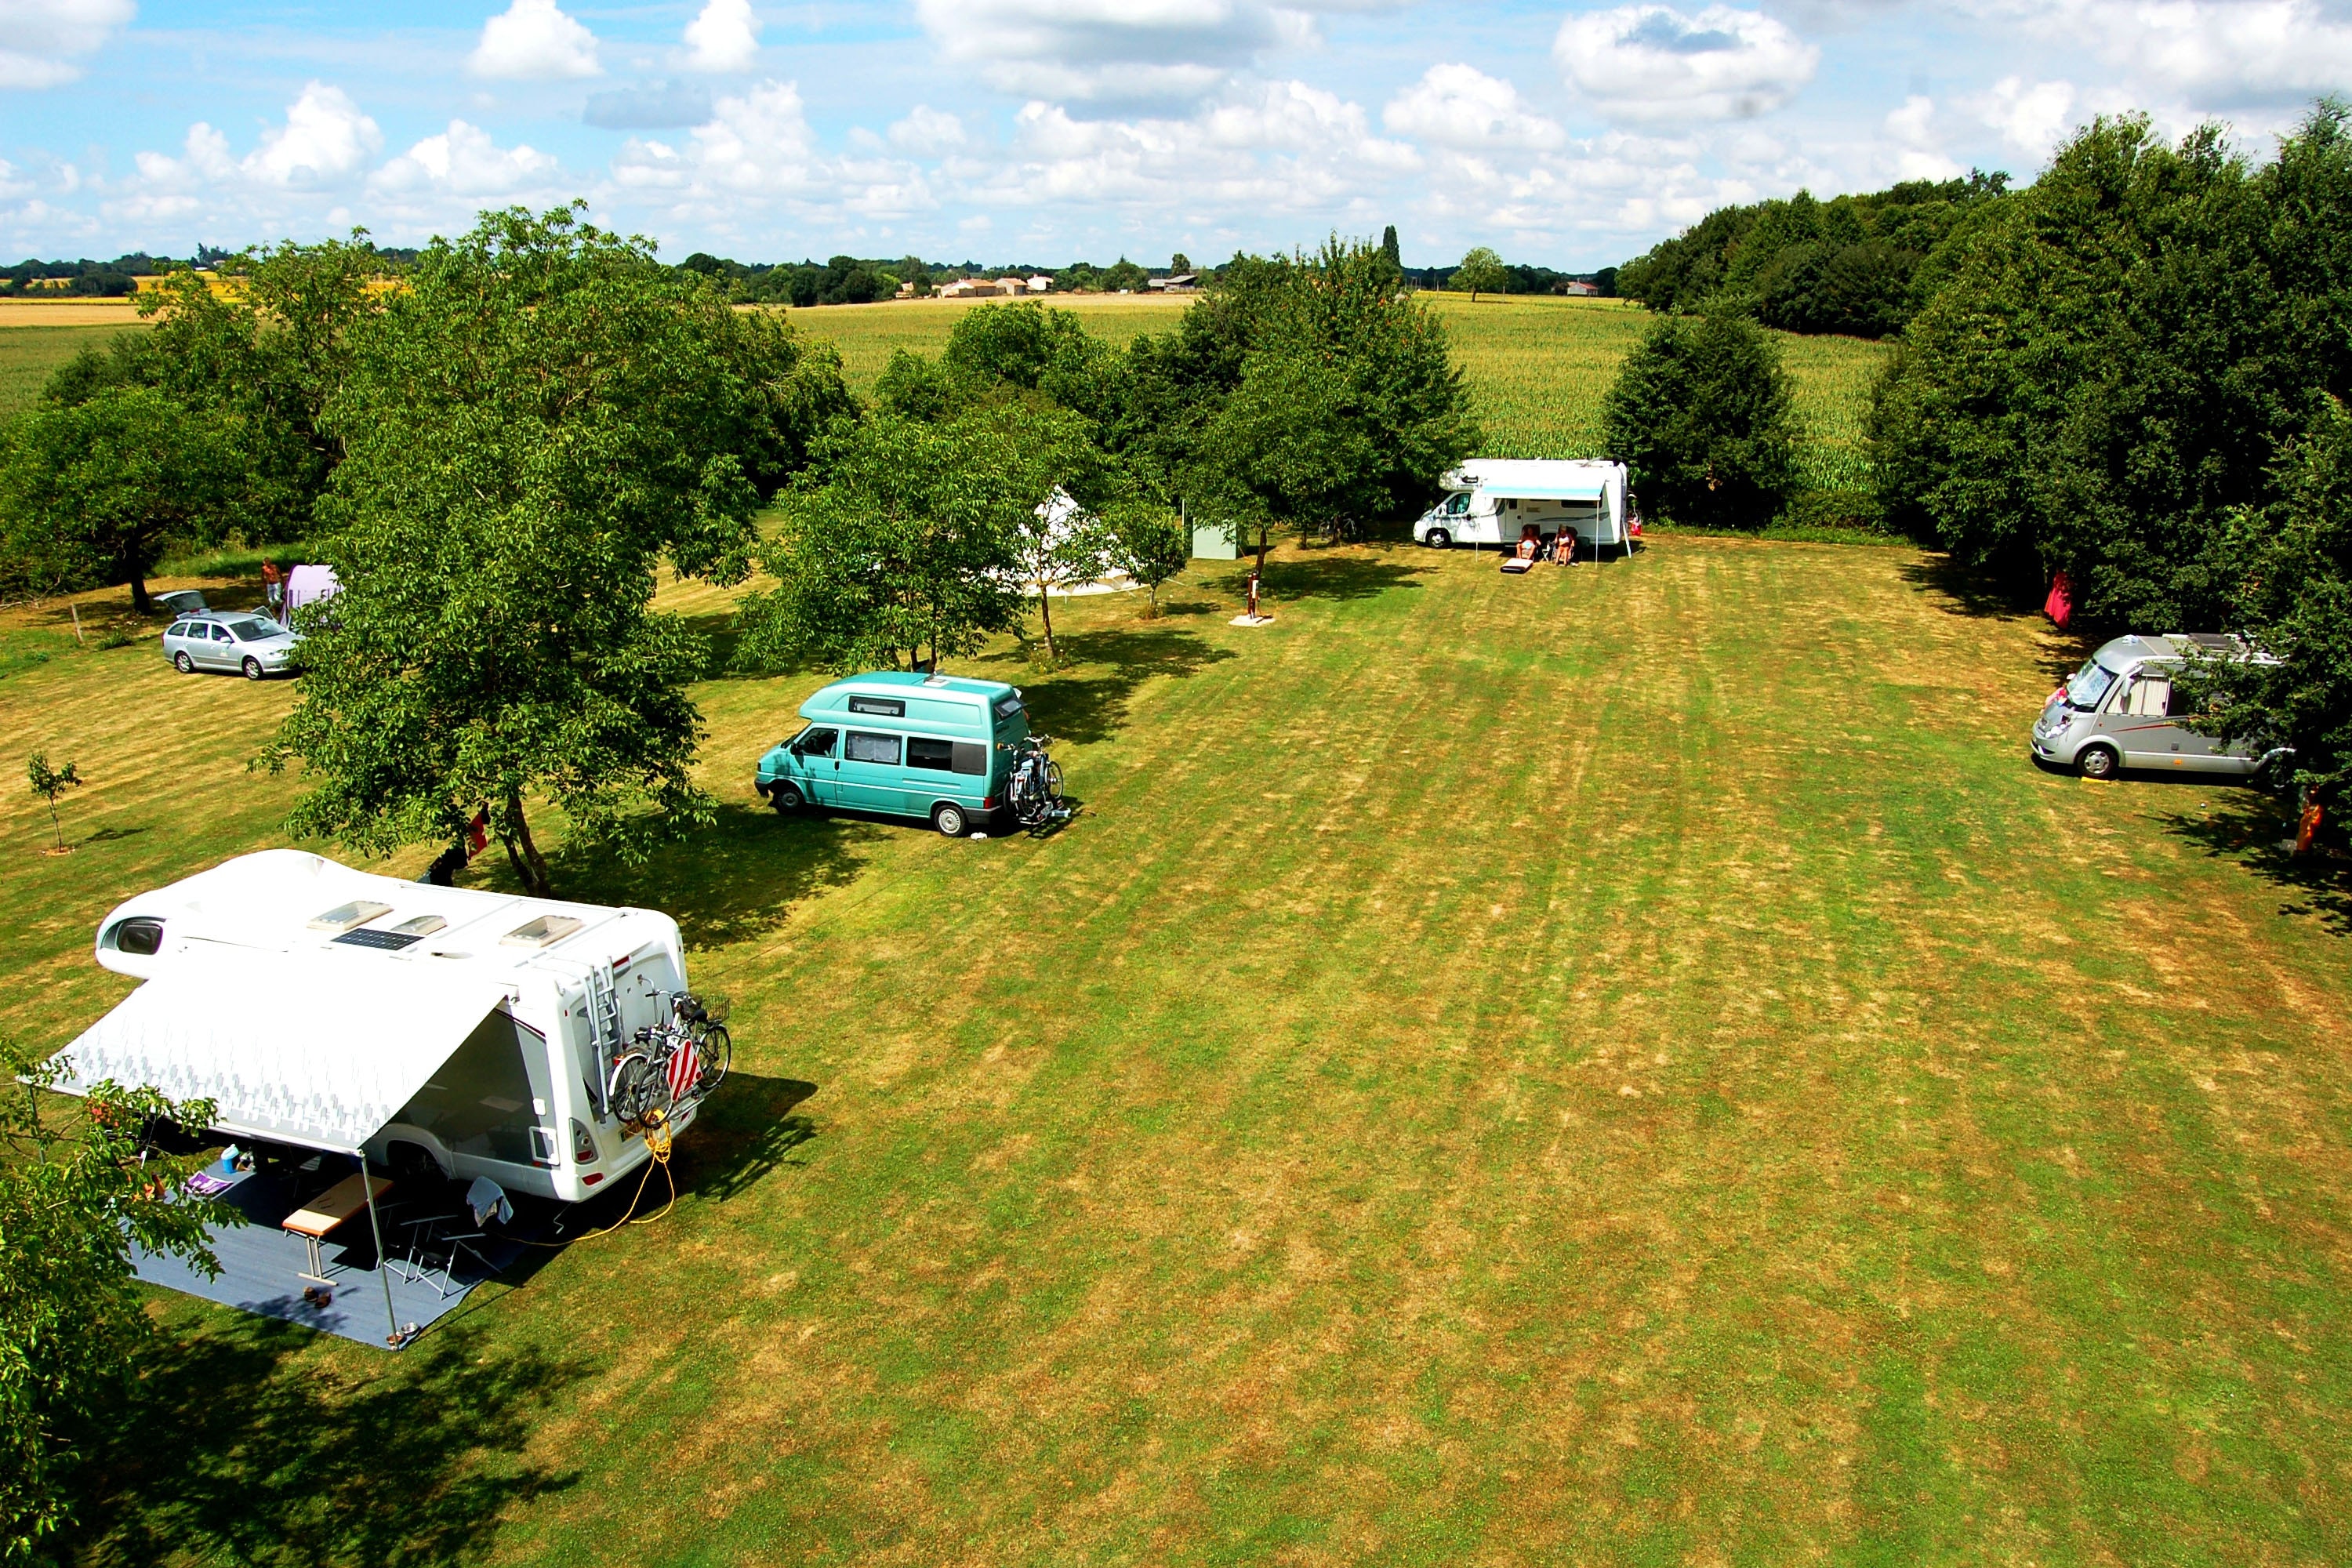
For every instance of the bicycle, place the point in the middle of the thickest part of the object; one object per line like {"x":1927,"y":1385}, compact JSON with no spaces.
{"x":1034,"y":791}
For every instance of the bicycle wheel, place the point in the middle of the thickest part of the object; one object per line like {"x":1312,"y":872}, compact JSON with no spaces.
{"x":1052,"y":779}
{"x":718,"y":1050}
{"x":635,"y":1090}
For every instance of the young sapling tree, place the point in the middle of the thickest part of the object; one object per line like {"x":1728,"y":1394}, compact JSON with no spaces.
{"x":49,"y":782}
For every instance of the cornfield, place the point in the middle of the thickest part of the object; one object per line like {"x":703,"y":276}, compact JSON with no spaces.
{"x":1539,"y":368}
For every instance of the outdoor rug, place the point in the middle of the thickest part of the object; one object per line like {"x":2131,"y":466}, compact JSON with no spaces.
{"x":261,"y":1265}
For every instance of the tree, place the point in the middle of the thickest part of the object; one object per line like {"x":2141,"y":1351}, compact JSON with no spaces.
{"x":1312,"y":392}
{"x":1179,"y":263}
{"x":95,"y":491}
{"x":2292,"y":600}
{"x":1389,"y":247}
{"x":541,"y":419}
{"x":1481,"y":272}
{"x":1124,"y":276}
{"x":49,"y":782}
{"x":1702,"y":415}
{"x":901,"y":538}
{"x":2112,"y":361}
{"x":74,"y":1202}
{"x":1148,"y":543}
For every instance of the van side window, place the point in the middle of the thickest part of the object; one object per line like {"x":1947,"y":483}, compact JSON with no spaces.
{"x":970,"y":757}
{"x":865,"y":746}
{"x":880,"y":706}
{"x":922,"y":752}
{"x":1458,"y":506}
{"x":2151,"y":697}
{"x":816,"y":743}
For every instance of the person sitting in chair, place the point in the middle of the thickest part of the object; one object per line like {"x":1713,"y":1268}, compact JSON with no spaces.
{"x":1529,"y":549}
{"x":1563,"y":546}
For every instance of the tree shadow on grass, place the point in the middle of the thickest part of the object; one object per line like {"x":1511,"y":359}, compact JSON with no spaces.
{"x":1084,"y":709}
{"x":1340,"y":577}
{"x":733,"y":882}
{"x":745,"y":1131}
{"x":2256,"y":832}
{"x":1981,"y":594}
{"x":235,"y":1449}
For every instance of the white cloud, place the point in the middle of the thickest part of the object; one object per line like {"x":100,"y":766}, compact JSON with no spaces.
{"x":1460,"y":107}
{"x":325,"y":140}
{"x":757,"y":151}
{"x":2215,"y":53}
{"x":464,"y":161}
{"x":2031,"y":117}
{"x":1115,"y":51}
{"x":1265,"y":147}
{"x":1650,"y":62}
{"x":532,"y":40}
{"x":40,"y":38}
{"x":724,"y":38}
{"x":927,"y":132}
{"x":1918,"y":152}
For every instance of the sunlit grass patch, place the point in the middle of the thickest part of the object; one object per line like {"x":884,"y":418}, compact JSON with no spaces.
{"x":1630,"y":1062}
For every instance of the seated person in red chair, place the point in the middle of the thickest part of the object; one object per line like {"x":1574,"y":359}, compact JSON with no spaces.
{"x":1563,"y":546}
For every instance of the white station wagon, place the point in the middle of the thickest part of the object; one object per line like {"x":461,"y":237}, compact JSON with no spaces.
{"x":247,"y":645}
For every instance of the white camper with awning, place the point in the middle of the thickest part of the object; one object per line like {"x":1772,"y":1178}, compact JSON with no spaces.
{"x":416,"y":1026}
{"x":1490,"y":500}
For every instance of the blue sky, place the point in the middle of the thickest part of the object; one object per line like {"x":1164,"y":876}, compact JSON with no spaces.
{"x":1045,"y":131}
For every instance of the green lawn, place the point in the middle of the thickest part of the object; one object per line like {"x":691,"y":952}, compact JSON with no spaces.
{"x":1632,"y":1065}
{"x":29,"y":354}
{"x":1538,"y":366}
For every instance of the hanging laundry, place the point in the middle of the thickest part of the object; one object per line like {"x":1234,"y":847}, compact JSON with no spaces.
{"x":2060,"y":605}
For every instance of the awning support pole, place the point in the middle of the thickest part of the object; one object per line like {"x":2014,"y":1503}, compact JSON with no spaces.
{"x":382,"y":1263}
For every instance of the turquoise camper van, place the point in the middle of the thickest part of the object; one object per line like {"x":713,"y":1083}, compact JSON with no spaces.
{"x":909,"y":745}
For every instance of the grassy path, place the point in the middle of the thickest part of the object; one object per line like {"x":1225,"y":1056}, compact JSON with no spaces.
{"x":1629,"y":1065}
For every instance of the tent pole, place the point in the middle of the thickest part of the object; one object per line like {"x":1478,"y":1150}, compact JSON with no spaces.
{"x":382,"y":1263}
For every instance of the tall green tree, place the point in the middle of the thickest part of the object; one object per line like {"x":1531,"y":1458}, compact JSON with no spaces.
{"x":1313,"y":392}
{"x":1703,"y":417}
{"x":1480,"y":273}
{"x":533,"y":425}
{"x":1148,"y":543}
{"x":95,"y":491}
{"x":2293,"y":599}
{"x":900,"y":544}
{"x":78,"y":1193}
{"x":2113,"y":360}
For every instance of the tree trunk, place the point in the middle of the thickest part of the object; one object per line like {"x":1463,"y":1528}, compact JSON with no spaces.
{"x":1046,"y":614}
{"x":522,"y":854}
{"x":140,"y":603}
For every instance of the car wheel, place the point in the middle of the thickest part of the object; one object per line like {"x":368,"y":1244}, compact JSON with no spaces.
{"x":2098,"y":762}
{"x":1438,"y":538}
{"x":253,"y":669}
{"x":186,"y":666}
{"x":949,"y":820}
{"x":787,"y":798}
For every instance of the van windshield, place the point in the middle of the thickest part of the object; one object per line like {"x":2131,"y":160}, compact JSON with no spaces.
{"x":2090,"y":683}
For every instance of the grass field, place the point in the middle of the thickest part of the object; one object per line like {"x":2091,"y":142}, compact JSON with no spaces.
{"x":1538,"y":366}
{"x":1627,"y":1066}
{"x":29,"y":354}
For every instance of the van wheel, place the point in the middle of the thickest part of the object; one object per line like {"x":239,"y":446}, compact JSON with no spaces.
{"x":949,"y":820}
{"x":1437,"y":539}
{"x":787,"y":798}
{"x":2097,"y":763}
{"x":414,"y":1166}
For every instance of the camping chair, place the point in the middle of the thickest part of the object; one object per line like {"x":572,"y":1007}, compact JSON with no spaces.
{"x":436,"y":1242}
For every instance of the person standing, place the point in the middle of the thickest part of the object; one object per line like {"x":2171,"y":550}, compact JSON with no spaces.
{"x":273,"y":583}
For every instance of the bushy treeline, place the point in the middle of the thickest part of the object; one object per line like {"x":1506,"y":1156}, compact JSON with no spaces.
{"x":1517,"y":278}
{"x":1857,"y":265}
{"x":850,"y":281}
{"x":36,"y":279}
{"x":2132,"y":373}
{"x":1306,"y":392}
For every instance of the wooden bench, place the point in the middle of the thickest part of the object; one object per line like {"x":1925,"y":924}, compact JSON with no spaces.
{"x":323,"y":1214}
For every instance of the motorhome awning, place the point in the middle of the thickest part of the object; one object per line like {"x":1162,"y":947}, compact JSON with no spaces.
{"x":298,"y":1050}
{"x":1549,"y":489}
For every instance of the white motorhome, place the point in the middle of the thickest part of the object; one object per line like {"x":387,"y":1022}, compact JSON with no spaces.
{"x":526,"y":1040}
{"x":1491,"y":500}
